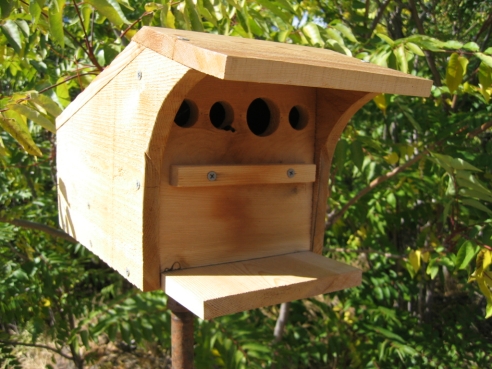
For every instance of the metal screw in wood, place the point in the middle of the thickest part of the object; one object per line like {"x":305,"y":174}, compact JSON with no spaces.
{"x":291,"y":173}
{"x":139,"y":75}
{"x":212,"y":176}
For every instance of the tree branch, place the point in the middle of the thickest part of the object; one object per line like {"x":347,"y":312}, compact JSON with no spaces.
{"x":59,"y":352}
{"x":428,"y":56}
{"x":283,"y":316}
{"x":39,"y":227}
{"x":378,"y":17}
{"x":333,"y":217}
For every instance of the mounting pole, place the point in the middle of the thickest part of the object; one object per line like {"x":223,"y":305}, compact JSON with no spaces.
{"x":182,"y":340}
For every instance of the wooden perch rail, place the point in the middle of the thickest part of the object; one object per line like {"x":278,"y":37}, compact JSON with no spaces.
{"x":224,"y":175}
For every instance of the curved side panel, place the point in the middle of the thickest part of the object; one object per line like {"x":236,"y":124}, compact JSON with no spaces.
{"x":154,"y":156}
{"x":334,"y":110}
{"x":103,"y":167}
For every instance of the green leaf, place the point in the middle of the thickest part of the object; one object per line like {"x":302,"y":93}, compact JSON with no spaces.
{"x":471,"y":46}
{"x":35,"y":11}
{"x":476,"y":194}
{"x":386,"y":39}
{"x":62,"y":92}
{"x":84,"y":335}
{"x":16,"y":125}
{"x":453,"y":44}
{"x":477,"y":205}
{"x":55,"y":15}
{"x":11,"y":32}
{"x":485,"y":58}
{"x":3,"y":149}
{"x":311,"y":30}
{"x":111,"y":10}
{"x":454,"y":73}
{"x":6,"y":7}
{"x":484,"y":76}
{"x":34,"y":115}
{"x":46,"y":103}
{"x":401,"y":58}
{"x":334,"y":35}
{"x":465,"y":254}
{"x":196,"y":22}
{"x":454,"y":163}
{"x":414,"y":49}
{"x":23,"y":26}
{"x":346,"y":31}
{"x":357,"y":154}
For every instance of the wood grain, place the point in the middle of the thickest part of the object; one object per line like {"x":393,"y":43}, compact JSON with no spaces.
{"x":209,"y":225}
{"x":240,"y":175}
{"x":240,"y":59}
{"x":111,"y":71}
{"x":102,"y":165}
{"x":218,"y":290}
{"x":334,"y":108}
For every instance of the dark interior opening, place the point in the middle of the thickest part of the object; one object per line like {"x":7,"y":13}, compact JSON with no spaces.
{"x":258,"y":117}
{"x":221,"y":116}
{"x":297,"y":118}
{"x":185,"y":115}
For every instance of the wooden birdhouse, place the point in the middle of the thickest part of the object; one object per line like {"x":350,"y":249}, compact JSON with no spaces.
{"x":199,"y":164}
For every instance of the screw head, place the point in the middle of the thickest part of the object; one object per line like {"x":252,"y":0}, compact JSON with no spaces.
{"x":291,"y":173}
{"x":183,"y":38}
{"x":127,"y":272}
{"x":137,"y":185}
{"x":139,"y":74}
{"x":88,"y":206}
{"x":212,"y":176}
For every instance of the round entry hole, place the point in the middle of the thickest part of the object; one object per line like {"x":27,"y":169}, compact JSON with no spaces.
{"x":297,"y":118}
{"x":221,"y":116}
{"x":259,"y":118}
{"x":186,"y":115}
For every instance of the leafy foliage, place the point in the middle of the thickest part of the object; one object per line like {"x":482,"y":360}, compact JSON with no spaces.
{"x":410,"y":188}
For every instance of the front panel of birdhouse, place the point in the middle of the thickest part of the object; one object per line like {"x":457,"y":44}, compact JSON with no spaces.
{"x":237,"y":174}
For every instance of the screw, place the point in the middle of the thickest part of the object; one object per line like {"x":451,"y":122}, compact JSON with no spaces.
{"x":137,"y":184}
{"x":212,"y":176}
{"x":183,"y":38}
{"x":127,"y":272}
{"x":88,"y":206}
{"x":139,"y":75}
{"x":291,"y":173}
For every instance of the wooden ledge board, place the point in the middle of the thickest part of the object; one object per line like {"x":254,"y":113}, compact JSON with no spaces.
{"x":241,"y":59}
{"x":226,"y":175}
{"x":229,"y":288}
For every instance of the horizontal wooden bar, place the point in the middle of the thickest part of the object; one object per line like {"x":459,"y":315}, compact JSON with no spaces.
{"x":227,"y":175}
{"x":222,"y":289}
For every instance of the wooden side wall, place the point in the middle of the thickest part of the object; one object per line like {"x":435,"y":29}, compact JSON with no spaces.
{"x":334,"y":108}
{"x":102,"y":156}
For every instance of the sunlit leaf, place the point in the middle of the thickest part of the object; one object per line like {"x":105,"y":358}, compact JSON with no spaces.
{"x":111,"y":10}
{"x":386,"y":39}
{"x":16,"y":125}
{"x":414,"y":48}
{"x":13,"y":35}
{"x":34,"y":115}
{"x":56,"y":21}
{"x":485,"y":58}
{"x":471,"y":46}
{"x":346,"y":31}
{"x":454,"y":72}
{"x":465,"y":254}
{"x":414,"y":259}
{"x":381,"y":103}
{"x":311,"y":30}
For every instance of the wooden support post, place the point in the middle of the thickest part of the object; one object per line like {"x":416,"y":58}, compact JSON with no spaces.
{"x":182,"y":339}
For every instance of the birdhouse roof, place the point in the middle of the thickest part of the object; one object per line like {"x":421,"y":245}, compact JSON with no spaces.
{"x":240,"y":59}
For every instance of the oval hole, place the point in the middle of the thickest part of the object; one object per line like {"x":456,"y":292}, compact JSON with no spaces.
{"x":221,"y":116}
{"x":259,"y":118}
{"x":186,"y":115}
{"x":297,"y":118}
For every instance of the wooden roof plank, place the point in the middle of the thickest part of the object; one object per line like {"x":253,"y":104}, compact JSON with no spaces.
{"x":240,"y":59}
